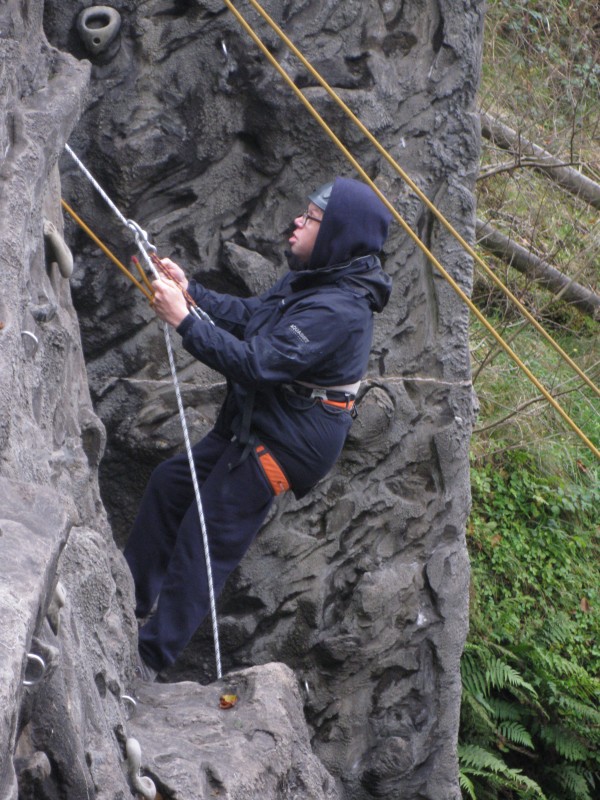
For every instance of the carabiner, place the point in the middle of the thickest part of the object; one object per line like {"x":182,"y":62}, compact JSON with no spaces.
{"x":141,"y":237}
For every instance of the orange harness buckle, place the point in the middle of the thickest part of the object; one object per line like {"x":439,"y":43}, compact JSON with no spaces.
{"x":347,"y":404}
{"x":274,"y":474}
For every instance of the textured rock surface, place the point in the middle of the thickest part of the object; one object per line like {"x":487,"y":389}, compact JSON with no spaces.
{"x":237,"y":759}
{"x":361,"y":587}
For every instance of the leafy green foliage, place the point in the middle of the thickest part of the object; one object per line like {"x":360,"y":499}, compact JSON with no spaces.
{"x":478,"y":762}
{"x":530,"y":723}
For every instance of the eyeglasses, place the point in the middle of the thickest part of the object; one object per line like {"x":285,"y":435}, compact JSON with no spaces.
{"x":306,"y":216}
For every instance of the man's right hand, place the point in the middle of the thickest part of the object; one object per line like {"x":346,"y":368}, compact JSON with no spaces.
{"x":175,"y":272}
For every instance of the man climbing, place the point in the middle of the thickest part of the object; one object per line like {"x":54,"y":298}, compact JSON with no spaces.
{"x":293,"y":359}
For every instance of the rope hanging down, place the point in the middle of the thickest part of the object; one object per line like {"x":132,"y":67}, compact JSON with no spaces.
{"x":148,"y":250}
{"x":412,"y":235}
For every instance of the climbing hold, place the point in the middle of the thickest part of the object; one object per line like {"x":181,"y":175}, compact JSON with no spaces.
{"x":58,"y":600}
{"x":142,"y":785}
{"x":59,"y":252}
{"x":227,"y":700}
{"x":98,"y":27}
{"x":34,"y":674}
{"x":44,"y":312}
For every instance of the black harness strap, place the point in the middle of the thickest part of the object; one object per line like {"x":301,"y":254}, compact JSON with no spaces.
{"x":245,"y":437}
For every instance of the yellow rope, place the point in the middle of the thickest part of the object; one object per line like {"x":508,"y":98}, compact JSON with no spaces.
{"x":315,"y":114}
{"x":422,"y":196}
{"x":107,"y":252}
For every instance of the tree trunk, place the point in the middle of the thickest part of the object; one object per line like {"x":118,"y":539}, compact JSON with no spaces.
{"x":570,"y":179}
{"x":537,"y":269}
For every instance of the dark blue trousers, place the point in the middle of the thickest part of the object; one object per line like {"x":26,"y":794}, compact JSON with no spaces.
{"x":165,"y":549}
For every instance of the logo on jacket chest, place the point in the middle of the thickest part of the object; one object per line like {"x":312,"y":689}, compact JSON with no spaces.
{"x":299,"y":334}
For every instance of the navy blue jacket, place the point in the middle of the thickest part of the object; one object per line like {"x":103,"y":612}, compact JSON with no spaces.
{"x":314,"y":325}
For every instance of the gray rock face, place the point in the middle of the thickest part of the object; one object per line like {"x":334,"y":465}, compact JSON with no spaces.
{"x":361,"y":587}
{"x":237,"y":759}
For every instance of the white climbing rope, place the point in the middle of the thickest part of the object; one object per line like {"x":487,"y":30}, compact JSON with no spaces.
{"x":144,"y":246}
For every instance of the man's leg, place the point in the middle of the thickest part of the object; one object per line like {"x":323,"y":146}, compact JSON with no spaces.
{"x":166,"y":500}
{"x":235,"y":504}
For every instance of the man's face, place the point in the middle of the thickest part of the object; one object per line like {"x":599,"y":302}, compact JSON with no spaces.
{"x":302,"y":240}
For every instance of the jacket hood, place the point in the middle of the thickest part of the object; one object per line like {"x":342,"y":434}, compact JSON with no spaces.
{"x":355,"y":224}
{"x":364,"y":276}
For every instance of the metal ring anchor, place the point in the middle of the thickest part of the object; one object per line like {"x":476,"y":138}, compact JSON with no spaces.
{"x":34,"y":658}
{"x":30,"y":343}
{"x":130,"y":705}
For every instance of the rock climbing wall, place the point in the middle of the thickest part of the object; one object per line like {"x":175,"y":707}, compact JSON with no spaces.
{"x":361,"y":587}
{"x":68,"y":635}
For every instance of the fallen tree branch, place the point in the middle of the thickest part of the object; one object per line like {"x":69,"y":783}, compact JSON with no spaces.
{"x":519,"y":162}
{"x":537,"y":269}
{"x":570,"y":179}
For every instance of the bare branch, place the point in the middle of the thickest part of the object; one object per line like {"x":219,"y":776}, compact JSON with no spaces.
{"x":537,"y":269}
{"x":570,"y":179}
{"x":518,"y":163}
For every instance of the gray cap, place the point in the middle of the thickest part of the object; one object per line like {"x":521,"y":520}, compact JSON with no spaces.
{"x":320,"y":197}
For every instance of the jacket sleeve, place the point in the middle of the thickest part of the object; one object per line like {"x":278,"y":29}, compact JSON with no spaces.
{"x":303,"y":337}
{"x":227,"y":311}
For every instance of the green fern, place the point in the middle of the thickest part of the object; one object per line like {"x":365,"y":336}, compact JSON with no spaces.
{"x":583,"y":711}
{"x":514,"y":732}
{"x":531,"y":710}
{"x":480,"y":709}
{"x":561,"y":667}
{"x":496,"y":673}
{"x":473,"y":676}
{"x":565,"y":743}
{"x":572,"y":782}
{"x":506,"y":710}
{"x":467,"y":785}
{"x":477,"y":761}
{"x":501,"y":675}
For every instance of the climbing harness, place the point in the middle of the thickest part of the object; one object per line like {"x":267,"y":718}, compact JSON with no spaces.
{"x":148,"y":252}
{"x":404,"y":225}
{"x":329,"y":396}
{"x":272,"y":470}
